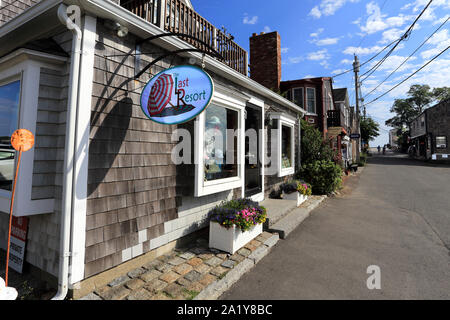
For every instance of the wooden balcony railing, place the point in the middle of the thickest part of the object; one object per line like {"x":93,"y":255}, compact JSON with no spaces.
{"x":175,"y":16}
{"x":335,"y":118}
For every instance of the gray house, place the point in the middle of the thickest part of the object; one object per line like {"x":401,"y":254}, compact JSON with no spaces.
{"x":430,"y":131}
{"x":99,"y":189}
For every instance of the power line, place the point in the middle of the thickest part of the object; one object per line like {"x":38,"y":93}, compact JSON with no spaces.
{"x":423,"y":43}
{"x":366,"y":62}
{"x":406,"y":35}
{"x":409,"y":76}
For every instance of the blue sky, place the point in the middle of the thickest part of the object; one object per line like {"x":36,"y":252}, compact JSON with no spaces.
{"x":319,"y":38}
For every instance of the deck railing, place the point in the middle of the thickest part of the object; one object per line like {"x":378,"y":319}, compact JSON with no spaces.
{"x":335,"y":118}
{"x":176,"y":16}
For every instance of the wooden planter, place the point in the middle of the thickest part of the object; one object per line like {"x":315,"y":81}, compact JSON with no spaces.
{"x":300,"y":198}
{"x":232,"y":239}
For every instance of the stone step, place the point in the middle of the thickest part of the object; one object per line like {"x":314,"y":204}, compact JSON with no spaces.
{"x":277,"y":209}
{"x":295,"y":217}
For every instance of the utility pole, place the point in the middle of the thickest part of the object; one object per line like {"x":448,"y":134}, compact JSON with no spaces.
{"x":356,"y":70}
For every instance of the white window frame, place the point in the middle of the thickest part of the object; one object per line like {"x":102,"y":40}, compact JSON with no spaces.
{"x":315,"y":101}
{"x":232,"y":101}
{"x":439,"y":146}
{"x":287,"y":121}
{"x":25,"y":64}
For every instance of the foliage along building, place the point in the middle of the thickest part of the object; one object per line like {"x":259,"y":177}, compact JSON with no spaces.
{"x":430,"y":131}
{"x":100,"y":188}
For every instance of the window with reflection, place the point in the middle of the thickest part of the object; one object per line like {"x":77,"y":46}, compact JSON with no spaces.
{"x":311,"y":99}
{"x":220,"y":143}
{"x":286,"y":147}
{"x":9,"y":112}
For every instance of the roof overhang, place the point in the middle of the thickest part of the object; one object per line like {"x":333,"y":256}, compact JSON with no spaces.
{"x":41,"y":21}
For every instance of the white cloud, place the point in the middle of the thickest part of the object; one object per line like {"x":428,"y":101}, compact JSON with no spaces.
{"x":328,"y":7}
{"x":284,"y":50}
{"x":326,"y":41}
{"x":361,"y":51}
{"x":315,"y":12}
{"x":295,"y":60}
{"x":440,"y":40}
{"x":318,"y":55}
{"x":378,"y":22}
{"x":346,"y":61}
{"x":248,"y":20}
{"x":337,"y":71}
{"x":267,"y":29}
{"x":317,"y":33}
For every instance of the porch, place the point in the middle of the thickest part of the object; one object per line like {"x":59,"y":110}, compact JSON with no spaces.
{"x":177,"y":17}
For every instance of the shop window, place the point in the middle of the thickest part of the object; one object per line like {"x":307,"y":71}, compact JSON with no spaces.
{"x":9,"y":113}
{"x":441,"y":142}
{"x":220,"y":158}
{"x":284,"y":157}
{"x":219,"y":153}
{"x":286,"y":147}
{"x":311,"y":100}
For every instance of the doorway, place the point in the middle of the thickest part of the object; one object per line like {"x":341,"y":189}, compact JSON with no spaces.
{"x":253,"y":126}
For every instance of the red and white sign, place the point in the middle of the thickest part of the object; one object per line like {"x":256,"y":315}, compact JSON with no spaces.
{"x":19,"y":229}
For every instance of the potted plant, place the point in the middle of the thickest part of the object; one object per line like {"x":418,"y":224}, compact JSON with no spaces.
{"x":234,"y":223}
{"x":296,"y":190}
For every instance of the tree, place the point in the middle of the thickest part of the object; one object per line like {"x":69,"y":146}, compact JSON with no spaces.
{"x":369,"y":129}
{"x":441,"y":94}
{"x":313,"y":147}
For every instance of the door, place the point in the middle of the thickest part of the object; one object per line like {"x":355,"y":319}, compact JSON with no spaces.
{"x":253,"y":179}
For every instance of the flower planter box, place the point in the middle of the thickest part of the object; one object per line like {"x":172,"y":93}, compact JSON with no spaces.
{"x":232,"y":239}
{"x":300,"y":198}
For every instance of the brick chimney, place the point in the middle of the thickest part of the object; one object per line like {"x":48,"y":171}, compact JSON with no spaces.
{"x":265,"y":59}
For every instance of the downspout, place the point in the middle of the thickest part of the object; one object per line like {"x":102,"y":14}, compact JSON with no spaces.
{"x":68,"y":176}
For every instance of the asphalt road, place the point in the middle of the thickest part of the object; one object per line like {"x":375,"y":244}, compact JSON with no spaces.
{"x":396,"y":217}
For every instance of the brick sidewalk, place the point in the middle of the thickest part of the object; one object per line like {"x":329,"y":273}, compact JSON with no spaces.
{"x":185,"y":274}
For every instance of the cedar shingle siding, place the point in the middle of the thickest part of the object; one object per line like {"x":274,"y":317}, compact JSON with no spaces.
{"x":131,"y":181}
{"x":12,"y":8}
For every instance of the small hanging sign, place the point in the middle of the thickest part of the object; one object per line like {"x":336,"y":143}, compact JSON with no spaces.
{"x":177,"y":95}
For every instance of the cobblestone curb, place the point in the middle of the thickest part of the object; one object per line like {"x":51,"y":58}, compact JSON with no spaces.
{"x":217,"y":288}
{"x":196,"y":272}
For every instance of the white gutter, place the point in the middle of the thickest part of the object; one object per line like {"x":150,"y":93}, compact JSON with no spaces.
{"x":68,"y":179}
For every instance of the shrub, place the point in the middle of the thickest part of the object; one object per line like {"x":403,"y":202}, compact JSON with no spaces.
{"x":243,"y":213}
{"x":362,"y":159}
{"x":313,"y":146}
{"x":324,"y":176}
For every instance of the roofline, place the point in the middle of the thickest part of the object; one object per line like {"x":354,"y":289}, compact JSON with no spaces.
{"x":144,"y":29}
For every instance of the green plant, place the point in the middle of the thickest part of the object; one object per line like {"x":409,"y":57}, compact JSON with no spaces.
{"x":190,"y":294}
{"x":324,"y":176}
{"x":362,"y":159}
{"x":313,"y":146}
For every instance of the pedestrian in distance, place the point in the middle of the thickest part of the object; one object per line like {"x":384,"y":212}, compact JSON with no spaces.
{"x":384,"y":149}
{"x":379,"y":148}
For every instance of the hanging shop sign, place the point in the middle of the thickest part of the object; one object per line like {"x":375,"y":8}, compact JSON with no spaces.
{"x":355,"y":136}
{"x":177,"y":95}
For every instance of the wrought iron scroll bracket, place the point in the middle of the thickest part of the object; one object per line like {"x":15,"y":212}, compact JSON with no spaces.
{"x":137,"y":59}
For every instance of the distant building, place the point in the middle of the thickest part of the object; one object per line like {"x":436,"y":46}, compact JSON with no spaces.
{"x":393,"y":138}
{"x":430,"y":131}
